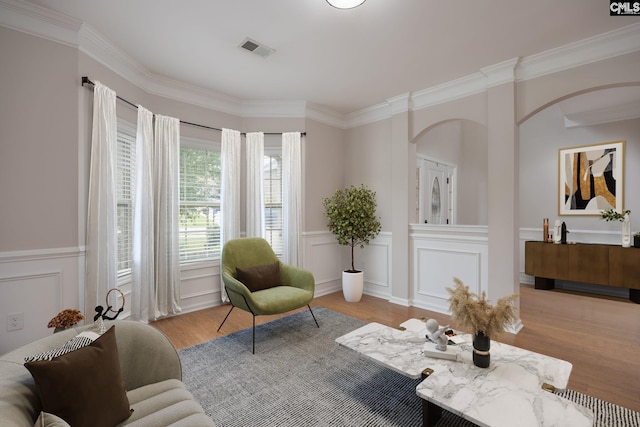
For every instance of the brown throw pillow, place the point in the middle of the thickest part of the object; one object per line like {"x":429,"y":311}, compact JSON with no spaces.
{"x":84,"y":387}
{"x":260,"y":277}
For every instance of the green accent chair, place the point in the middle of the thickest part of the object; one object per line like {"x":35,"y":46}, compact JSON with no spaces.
{"x":296,"y":289}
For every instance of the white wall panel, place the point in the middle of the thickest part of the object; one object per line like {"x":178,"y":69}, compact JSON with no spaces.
{"x":440,"y":253}
{"x":324,"y":257}
{"x":375,"y":261}
{"x":38,"y":284}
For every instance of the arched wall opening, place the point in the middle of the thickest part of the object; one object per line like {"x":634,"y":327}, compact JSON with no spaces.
{"x":462,"y":143}
{"x":587,"y":117}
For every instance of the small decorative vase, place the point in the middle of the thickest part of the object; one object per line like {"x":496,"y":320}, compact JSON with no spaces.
{"x":636,"y":241}
{"x":481,"y":346}
{"x":626,"y":232}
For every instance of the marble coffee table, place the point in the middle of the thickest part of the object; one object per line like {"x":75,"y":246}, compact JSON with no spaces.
{"x":511,"y":391}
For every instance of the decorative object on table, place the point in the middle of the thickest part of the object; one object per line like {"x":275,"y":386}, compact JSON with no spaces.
{"x":636,"y":239}
{"x":557,"y":232}
{"x":485,"y":321}
{"x":545,"y":230}
{"x":563,"y":233}
{"x":352,"y":219}
{"x":101,"y":313}
{"x":65,"y":319}
{"x":436,"y":345}
{"x":591,"y":178}
{"x":436,"y":334}
{"x":624,"y":218}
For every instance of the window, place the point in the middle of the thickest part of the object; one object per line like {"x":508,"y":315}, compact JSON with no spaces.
{"x":125,"y":181}
{"x":273,"y":200}
{"x":200,"y":173}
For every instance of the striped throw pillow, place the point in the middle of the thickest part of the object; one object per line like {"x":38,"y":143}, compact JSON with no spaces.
{"x":83,"y":339}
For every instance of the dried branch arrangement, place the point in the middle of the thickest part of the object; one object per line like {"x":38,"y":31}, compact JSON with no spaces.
{"x":66,"y":318}
{"x":475,"y":312}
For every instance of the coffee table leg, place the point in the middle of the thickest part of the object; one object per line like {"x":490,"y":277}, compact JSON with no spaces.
{"x":431,"y":412}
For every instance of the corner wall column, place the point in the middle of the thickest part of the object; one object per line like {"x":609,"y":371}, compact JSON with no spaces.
{"x":400,"y":106}
{"x":503,"y":177}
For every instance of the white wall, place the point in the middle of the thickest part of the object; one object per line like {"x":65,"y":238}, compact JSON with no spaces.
{"x":541,"y":136}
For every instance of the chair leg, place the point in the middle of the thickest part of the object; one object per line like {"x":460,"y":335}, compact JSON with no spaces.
{"x":254,"y":334}
{"x":314,"y":317}
{"x":225,"y":318}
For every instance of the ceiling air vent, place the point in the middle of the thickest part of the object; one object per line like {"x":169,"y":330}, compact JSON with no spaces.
{"x":256,"y":47}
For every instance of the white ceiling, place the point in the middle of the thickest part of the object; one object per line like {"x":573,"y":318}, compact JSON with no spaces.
{"x":344,"y":60}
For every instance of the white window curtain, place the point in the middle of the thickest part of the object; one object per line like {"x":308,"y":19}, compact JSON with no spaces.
{"x":101,"y":258}
{"x":142,"y":271}
{"x":230,"y":191}
{"x":291,"y":196}
{"x":166,"y":215}
{"x":255,"y":184}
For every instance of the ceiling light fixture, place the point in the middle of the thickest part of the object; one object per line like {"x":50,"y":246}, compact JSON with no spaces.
{"x":345,"y":4}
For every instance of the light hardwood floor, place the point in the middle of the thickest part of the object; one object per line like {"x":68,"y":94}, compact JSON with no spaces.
{"x":600,"y":336}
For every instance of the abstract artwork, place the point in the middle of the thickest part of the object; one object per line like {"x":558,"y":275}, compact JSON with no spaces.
{"x":591,"y":178}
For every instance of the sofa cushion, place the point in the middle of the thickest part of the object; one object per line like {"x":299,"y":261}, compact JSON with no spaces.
{"x":260,"y":277}
{"x":49,"y":420}
{"x":84,"y":387}
{"x":165,"y":403}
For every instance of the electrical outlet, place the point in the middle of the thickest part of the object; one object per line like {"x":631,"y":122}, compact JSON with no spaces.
{"x":15,"y":322}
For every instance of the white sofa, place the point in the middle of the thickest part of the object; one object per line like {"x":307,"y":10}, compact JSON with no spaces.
{"x":150,"y":369}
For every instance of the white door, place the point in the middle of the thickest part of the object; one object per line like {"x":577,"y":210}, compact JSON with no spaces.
{"x":437,"y":200}
{"x":435,"y":192}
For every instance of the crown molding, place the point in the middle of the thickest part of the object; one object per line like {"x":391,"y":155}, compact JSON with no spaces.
{"x":255,"y":108}
{"x":42,"y":22}
{"x":39,"y":21}
{"x":102,"y":50}
{"x":325,"y":115}
{"x":597,"y":48}
{"x":449,"y":91}
{"x":500,"y":73}
{"x":368,"y":115}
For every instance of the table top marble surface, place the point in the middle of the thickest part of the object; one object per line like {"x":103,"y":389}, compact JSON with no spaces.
{"x":509,"y":389}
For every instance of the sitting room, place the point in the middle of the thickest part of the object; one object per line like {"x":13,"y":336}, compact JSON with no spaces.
{"x":140,"y":141}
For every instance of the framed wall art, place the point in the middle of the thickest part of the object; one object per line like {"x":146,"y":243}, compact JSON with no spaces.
{"x":590,"y":178}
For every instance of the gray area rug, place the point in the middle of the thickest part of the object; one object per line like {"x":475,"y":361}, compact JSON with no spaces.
{"x":300,"y":377}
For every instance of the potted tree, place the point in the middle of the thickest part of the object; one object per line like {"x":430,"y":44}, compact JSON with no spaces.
{"x":351,"y":213}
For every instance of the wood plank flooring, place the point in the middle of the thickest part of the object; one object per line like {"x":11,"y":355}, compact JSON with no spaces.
{"x":599,"y":335}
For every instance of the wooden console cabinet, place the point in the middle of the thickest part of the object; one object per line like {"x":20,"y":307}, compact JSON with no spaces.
{"x":597,"y":264}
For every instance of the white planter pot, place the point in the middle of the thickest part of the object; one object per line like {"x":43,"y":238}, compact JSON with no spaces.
{"x":352,"y":286}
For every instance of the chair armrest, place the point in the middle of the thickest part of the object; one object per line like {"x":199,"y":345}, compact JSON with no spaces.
{"x":297,"y":277}
{"x":238,"y":293}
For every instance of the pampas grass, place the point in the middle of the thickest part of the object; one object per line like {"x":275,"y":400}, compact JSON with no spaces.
{"x":475,"y":312}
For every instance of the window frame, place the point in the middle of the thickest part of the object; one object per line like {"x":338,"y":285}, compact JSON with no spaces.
{"x":129,"y":129}
{"x":207,"y":145}
{"x":271,"y":152}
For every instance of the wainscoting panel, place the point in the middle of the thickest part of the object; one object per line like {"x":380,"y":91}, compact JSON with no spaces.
{"x":38,"y":284}
{"x":200,"y":286}
{"x":442,"y":252}
{"x":325,"y":258}
{"x":375,"y":260}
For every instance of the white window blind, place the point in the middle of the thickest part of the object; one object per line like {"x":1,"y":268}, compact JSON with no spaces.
{"x":125,"y":180}
{"x":273,"y":200}
{"x":199,"y":204}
